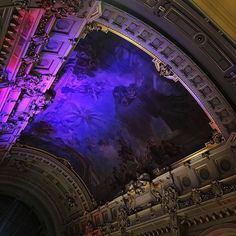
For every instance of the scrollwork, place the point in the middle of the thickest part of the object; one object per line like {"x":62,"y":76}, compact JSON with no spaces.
{"x":196,"y":196}
{"x":165,"y":70}
{"x":93,"y":26}
{"x":170,"y":199}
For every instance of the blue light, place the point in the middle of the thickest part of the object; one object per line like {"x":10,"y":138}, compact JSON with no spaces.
{"x":114,"y":116}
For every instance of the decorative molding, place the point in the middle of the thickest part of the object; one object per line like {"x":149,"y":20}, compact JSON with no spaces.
{"x":32,"y":163}
{"x":165,"y":53}
{"x":164,"y":205}
{"x":32,"y":74}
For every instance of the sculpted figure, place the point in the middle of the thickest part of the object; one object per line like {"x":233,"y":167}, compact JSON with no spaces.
{"x":169,"y":199}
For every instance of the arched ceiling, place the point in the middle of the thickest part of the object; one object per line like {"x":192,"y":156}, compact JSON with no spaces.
{"x":167,"y":54}
{"x":115,"y":117}
{"x":184,"y":24}
{"x":112,"y":111}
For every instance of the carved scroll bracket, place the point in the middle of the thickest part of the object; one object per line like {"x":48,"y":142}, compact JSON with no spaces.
{"x":165,"y":70}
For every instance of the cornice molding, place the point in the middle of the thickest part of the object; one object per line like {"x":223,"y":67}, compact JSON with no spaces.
{"x":184,"y":70}
{"x":172,"y":201}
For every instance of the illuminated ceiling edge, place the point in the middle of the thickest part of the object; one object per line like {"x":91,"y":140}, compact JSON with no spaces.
{"x":205,"y":92}
{"x":186,"y":72}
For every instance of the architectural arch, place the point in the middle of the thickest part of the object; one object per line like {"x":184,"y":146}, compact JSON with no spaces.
{"x":46,"y":184}
{"x":35,"y":199}
{"x":172,"y":63}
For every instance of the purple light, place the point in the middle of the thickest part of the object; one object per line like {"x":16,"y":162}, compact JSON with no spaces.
{"x":114,"y":116}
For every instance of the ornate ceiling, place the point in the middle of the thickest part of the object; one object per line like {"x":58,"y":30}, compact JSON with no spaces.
{"x":113,"y":108}
{"x":114,"y":116}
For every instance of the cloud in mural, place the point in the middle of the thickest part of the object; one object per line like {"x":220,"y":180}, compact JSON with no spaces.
{"x":114,"y":117}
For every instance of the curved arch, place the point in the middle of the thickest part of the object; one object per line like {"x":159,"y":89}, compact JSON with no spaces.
{"x":11,"y":209}
{"x":227,"y":229}
{"x":52,"y":164}
{"x":46,"y":184}
{"x":198,"y":84}
{"x":50,"y":217}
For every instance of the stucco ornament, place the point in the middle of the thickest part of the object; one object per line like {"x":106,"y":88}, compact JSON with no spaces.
{"x":19,"y":165}
{"x":122,"y":217}
{"x":169,"y":199}
{"x":70,"y":201}
{"x":161,"y":8}
{"x":164,"y":70}
{"x":156,"y":192}
{"x":174,"y":223}
{"x":216,"y":188}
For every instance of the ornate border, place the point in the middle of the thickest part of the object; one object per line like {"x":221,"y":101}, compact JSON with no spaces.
{"x":184,"y":70}
{"x":56,"y":170}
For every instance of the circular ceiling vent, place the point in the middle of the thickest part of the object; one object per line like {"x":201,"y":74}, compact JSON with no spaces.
{"x":204,"y":174}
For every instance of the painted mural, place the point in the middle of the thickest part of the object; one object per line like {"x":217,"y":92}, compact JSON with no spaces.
{"x":113,"y":116}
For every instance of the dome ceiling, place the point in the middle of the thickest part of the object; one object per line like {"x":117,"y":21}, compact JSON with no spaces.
{"x":113,"y":116}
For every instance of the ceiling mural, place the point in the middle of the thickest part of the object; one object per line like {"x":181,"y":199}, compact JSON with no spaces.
{"x":113,"y":116}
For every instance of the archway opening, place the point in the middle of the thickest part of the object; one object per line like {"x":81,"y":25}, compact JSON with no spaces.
{"x":16,"y":218}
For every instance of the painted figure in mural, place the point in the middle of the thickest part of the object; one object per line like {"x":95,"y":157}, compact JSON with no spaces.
{"x":154,"y":152}
{"x":125,"y":95}
{"x":82,"y":62}
{"x":108,"y":104}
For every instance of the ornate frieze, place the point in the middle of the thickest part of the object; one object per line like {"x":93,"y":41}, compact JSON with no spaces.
{"x":170,"y":199}
{"x":25,"y":159}
{"x":166,"y":199}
